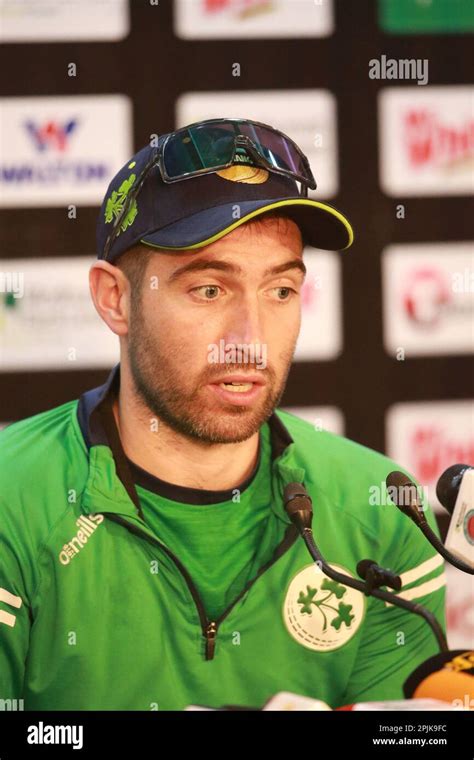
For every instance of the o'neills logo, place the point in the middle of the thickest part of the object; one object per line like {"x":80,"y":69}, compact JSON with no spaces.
{"x":87,"y":526}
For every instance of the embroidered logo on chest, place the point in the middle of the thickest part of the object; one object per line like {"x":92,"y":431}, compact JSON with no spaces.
{"x":87,"y":525}
{"x":322,"y":614}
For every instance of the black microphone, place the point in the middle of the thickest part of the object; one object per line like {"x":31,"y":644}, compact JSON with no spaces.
{"x":404,"y":494}
{"x":298,"y":506}
{"x":455,"y":491}
{"x":447,"y":487}
{"x":376,"y":576}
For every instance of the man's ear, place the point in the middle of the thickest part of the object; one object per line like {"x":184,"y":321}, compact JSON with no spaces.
{"x":110,"y":292}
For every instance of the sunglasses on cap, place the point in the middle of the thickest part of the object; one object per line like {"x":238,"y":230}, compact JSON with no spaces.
{"x":209,"y":146}
{"x":218,"y":143}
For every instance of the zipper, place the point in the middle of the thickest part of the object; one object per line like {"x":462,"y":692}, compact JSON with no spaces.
{"x":210,"y":627}
{"x":210,"y":634}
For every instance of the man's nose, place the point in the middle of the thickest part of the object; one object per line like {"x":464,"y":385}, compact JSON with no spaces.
{"x":246,"y":322}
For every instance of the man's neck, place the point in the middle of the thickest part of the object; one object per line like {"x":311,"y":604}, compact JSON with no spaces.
{"x":176,"y":458}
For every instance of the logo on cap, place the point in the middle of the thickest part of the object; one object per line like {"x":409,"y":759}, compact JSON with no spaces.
{"x":116,"y":202}
{"x":248,"y":175}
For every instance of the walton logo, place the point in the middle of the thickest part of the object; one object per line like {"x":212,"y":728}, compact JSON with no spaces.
{"x":87,"y":527}
{"x":51,"y":135}
{"x":322,"y":614}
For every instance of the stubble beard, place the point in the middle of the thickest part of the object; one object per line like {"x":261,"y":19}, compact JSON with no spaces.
{"x":191,"y":412}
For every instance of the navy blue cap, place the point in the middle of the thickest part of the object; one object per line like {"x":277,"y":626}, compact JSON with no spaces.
{"x":194,"y":212}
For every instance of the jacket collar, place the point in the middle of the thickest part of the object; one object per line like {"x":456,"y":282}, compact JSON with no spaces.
{"x":89,"y":409}
{"x":106,"y":455}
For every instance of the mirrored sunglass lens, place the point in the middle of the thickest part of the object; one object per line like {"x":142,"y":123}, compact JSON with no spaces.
{"x":201,"y":147}
{"x":275,"y":148}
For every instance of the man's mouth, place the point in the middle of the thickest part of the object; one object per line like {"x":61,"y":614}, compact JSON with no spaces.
{"x":240,"y":377}
{"x":236,"y":387}
{"x":246,"y":388}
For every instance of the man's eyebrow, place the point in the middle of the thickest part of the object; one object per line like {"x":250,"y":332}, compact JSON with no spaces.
{"x":225,"y":266}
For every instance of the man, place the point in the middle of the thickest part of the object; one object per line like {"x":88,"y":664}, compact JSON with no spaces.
{"x":146,"y":557}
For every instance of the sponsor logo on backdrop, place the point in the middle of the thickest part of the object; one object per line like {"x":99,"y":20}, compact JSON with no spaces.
{"x":428,"y":294}
{"x":51,"y":135}
{"x":428,"y":303}
{"x":309,"y":117}
{"x":427,"y":140}
{"x":253,"y":18}
{"x":57,"y":20}
{"x":427,"y":437}
{"x":58,"y":151}
{"x":54,"y":325}
{"x":328,"y":418}
{"x":414,"y":16}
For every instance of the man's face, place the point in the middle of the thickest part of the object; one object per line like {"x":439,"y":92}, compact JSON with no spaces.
{"x":229,"y":309}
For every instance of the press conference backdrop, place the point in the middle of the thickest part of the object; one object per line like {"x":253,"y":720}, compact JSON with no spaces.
{"x":378,"y":94}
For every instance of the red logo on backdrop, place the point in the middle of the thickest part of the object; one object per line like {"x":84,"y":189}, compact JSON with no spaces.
{"x":433,"y":450}
{"x":430,"y":142}
{"x":242,"y":6}
{"x":427,"y":296}
{"x":51,"y":134}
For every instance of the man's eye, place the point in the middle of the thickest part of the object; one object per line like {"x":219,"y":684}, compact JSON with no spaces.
{"x":210,"y":292}
{"x":286,"y":293}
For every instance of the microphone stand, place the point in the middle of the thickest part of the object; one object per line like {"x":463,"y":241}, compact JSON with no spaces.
{"x":298,"y":505}
{"x":397,"y":481}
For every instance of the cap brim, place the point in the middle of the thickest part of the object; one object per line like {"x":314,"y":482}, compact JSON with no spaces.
{"x":321,"y":225}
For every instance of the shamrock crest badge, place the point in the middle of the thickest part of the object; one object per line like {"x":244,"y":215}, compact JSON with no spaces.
{"x":116,"y":202}
{"x":322,"y":614}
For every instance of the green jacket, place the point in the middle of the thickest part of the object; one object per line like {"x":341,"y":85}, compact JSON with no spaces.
{"x":97,"y":614}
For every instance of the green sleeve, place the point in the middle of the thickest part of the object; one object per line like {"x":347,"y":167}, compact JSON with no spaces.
{"x":394,"y":641}
{"x":14,"y":625}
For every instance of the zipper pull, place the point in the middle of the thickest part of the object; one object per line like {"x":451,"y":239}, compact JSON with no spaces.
{"x":210,"y":633}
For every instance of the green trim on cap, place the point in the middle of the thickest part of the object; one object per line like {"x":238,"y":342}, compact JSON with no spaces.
{"x":257,"y":212}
